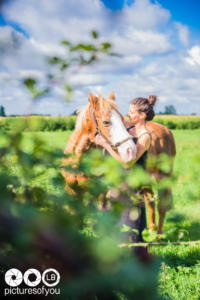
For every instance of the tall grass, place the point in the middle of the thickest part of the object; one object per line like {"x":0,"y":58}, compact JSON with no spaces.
{"x":178,"y":122}
{"x":43,"y":123}
{"x":37,"y":123}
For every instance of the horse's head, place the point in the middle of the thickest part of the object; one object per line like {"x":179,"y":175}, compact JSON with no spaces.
{"x":108,"y":122}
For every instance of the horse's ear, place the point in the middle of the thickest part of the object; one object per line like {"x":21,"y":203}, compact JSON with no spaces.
{"x":93,"y":100}
{"x":112,"y":96}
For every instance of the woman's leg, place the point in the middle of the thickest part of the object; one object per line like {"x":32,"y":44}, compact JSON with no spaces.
{"x":135,"y":218}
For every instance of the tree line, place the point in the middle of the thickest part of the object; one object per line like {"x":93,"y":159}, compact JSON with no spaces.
{"x":2,"y":111}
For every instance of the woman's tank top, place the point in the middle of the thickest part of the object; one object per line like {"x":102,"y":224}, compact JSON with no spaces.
{"x":142,"y":161}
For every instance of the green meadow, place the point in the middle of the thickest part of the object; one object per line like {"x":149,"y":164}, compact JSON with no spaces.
{"x":180,"y":272}
{"x":179,"y":276}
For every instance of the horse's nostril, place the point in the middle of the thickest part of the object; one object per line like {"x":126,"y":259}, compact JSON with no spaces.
{"x":131,"y":153}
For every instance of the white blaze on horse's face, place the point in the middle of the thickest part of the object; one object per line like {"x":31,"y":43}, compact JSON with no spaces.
{"x":118,"y":133}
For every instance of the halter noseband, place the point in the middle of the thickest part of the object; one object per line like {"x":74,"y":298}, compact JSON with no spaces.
{"x":114,"y":146}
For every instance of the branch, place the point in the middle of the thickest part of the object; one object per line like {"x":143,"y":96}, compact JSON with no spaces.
{"x":158,"y":244}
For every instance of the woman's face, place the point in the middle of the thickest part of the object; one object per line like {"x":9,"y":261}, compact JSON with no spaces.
{"x":135,"y":115}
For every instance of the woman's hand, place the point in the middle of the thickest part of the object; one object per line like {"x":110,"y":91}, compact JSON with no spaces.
{"x":99,"y":140}
{"x":127,"y":123}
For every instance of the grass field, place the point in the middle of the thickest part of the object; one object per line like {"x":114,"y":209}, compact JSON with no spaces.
{"x":180,"y":271}
{"x":50,"y":123}
{"x":180,"y":275}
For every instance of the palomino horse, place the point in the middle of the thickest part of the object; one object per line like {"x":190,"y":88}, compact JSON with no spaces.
{"x":101,"y":117}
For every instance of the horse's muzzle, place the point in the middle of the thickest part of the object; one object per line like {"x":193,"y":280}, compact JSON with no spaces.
{"x":127,"y":153}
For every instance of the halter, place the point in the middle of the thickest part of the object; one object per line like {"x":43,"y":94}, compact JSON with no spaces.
{"x":113,"y":146}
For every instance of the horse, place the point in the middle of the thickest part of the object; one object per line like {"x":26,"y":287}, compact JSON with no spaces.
{"x":101,"y":117}
{"x":162,"y":143}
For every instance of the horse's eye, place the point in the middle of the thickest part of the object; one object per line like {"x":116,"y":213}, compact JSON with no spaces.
{"x":106,"y":123}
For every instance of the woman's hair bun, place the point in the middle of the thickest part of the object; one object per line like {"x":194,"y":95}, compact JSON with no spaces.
{"x":152,"y":99}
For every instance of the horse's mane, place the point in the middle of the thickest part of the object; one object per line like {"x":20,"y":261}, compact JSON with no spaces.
{"x":83,"y":114}
{"x":82,"y":117}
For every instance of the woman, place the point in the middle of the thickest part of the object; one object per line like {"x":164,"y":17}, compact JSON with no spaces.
{"x":140,"y":111}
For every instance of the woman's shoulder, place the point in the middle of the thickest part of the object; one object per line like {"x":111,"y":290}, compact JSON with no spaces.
{"x":144,"y":138}
{"x":145,"y":134}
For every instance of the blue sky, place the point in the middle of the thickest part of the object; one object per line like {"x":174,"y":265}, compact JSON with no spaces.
{"x":186,"y":11}
{"x":114,"y":5}
{"x":159,"y":41}
{"x":4,"y":22}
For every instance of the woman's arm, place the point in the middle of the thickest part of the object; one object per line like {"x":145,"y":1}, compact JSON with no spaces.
{"x":99,"y":140}
{"x":142,"y":146}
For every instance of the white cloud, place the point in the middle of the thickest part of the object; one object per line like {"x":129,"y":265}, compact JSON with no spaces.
{"x":144,"y":15}
{"x":141,"y":42}
{"x":10,"y":40}
{"x":54,"y":20}
{"x":151,"y":62}
{"x":194,"y":56}
{"x":183,"y":33}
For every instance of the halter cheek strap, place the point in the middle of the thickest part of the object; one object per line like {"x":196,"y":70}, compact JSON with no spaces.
{"x":114,"y":146}
{"x":132,"y":126}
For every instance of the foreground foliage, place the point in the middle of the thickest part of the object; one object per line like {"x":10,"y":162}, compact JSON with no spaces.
{"x":43,"y":227}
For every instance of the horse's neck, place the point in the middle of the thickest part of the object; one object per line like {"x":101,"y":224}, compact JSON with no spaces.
{"x":83,"y":144}
{"x":79,"y":142}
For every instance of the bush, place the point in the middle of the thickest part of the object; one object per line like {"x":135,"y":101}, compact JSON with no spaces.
{"x":35,"y":123}
{"x":43,"y":123}
{"x":179,"y":122}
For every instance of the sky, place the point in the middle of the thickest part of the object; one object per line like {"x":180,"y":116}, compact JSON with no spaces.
{"x":159,"y":43}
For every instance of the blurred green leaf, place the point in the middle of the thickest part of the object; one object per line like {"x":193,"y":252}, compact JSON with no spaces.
{"x":85,"y":47}
{"x":68,"y":89}
{"x":95,"y":34}
{"x":55,"y":60}
{"x":30,"y":84}
{"x":126,"y":228}
{"x":105,"y":47}
{"x":65,"y":42}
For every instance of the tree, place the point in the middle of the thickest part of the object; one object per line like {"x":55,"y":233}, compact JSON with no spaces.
{"x":169,"y":110}
{"x":2,"y":111}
